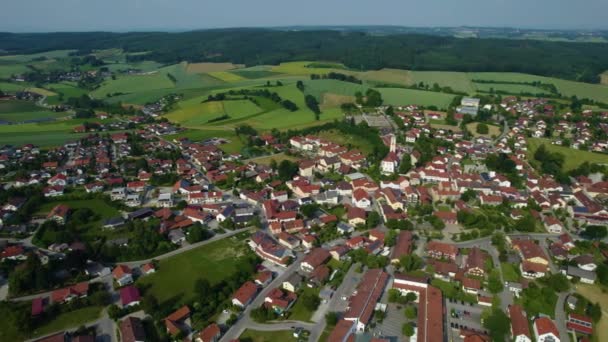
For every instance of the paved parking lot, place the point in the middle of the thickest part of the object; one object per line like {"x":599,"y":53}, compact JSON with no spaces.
{"x":470,"y":320}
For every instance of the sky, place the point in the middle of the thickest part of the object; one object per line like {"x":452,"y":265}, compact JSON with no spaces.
{"x":142,"y":15}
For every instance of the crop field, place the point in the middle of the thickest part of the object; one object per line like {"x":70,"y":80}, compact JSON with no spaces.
{"x":255,"y":74}
{"x":197,"y":114}
{"x":199,"y":68}
{"x":604,"y":78}
{"x":510,"y":88}
{"x":5,"y":86}
{"x":27,"y":58}
{"x":8,"y":69}
{"x":130,"y":84}
{"x":458,"y":81}
{"x":177,"y":275}
{"x":400,"y":96}
{"x":22,"y":111}
{"x":334,"y":100}
{"x":388,"y":76}
{"x":226,"y":76}
{"x":573,"y":157}
{"x":307,"y":68}
{"x":317,"y":88}
{"x":41,"y":91}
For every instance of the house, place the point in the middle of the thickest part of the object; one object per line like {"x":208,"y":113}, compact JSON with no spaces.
{"x":165,"y":200}
{"x":178,"y":321}
{"x":566,"y":241}
{"x":292,"y":283}
{"x":319,"y":276}
{"x":441,"y":250}
{"x":579,"y":324}
{"x":343,"y":331}
{"x":67,"y":294}
{"x":471,"y":285}
{"x":587,"y":277}
{"x":288,"y":240}
{"x":315,"y":258}
{"x":263,"y":278}
{"x":123,"y":275}
{"x":245,"y":294}
{"x":553,"y":225}
{"x":211,"y":333}
{"x":520,"y":330}
{"x":59,"y":213}
{"x":403,"y":246}
{"x":344,"y":228}
{"x":545,"y":330}
{"x":279,"y":301}
{"x":129,"y":296}
{"x":361,"y":199}
{"x":14,"y":252}
{"x":389,"y":164}
{"x":475,"y":264}
{"x":586,"y":262}
{"x":148,"y":268}
{"x":369,"y":291}
{"x":132,"y":330}
{"x":356,"y":216}
{"x":37,"y":306}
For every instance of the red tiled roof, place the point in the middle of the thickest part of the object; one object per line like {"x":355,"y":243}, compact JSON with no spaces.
{"x":246,"y":292}
{"x":545,"y":326}
{"x":343,"y":329}
{"x":210,"y":333}
{"x":519,"y":322}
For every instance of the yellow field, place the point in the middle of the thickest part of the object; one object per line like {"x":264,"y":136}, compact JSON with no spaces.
{"x":492,"y":130}
{"x":604,"y":78}
{"x":394,"y":76}
{"x":334,"y":100}
{"x":226,"y":76}
{"x":595,"y":294}
{"x":41,"y":91}
{"x":199,"y":68}
{"x":301,"y":68}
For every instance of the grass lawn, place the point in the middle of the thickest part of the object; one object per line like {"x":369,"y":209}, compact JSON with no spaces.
{"x":72,"y":319}
{"x":509,"y":272}
{"x":402,"y":97}
{"x":573,"y":158}
{"x":268,"y":336}
{"x":346,"y":140}
{"x":597,"y":294}
{"x":176,"y":276}
{"x":300,"y":313}
{"x":99,"y":206}
{"x":492,"y":130}
{"x":265,"y":160}
{"x":234,"y":146}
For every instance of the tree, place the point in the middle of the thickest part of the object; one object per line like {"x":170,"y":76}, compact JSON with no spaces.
{"x":482,"y":128}
{"x":373,"y":98}
{"x":394,"y":296}
{"x":309,"y":210}
{"x":410,"y":262}
{"x":114,"y":312}
{"x":468,"y":195}
{"x":310,"y":301}
{"x":410,"y":312}
{"x":498,"y":324}
{"x":331,"y":318}
{"x":373,"y":219}
{"x":197,"y":233}
{"x":410,"y":297}
{"x":149,"y":304}
{"x":287,"y":170}
{"x":313,"y":105}
{"x":595,"y":312}
{"x":495,"y":284}
{"x":407,"y":329}
{"x":558,"y":282}
{"x":406,"y":164}
{"x":300,"y":85}
{"x":595,"y":232}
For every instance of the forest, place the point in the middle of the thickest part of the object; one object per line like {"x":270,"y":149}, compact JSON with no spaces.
{"x":356,"y":50}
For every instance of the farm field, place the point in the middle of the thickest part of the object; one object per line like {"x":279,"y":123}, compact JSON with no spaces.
{"x":127,"y":84}
{"x":604,"y":78}
{"x":255,"y":74}
{"x":510,"y":88}
{"x":6,"y":86}
{"x":22,"y":111}
{"x":192,"y":113}
{"x":7,"y":69}
{"x":178,"y":274}
{"x":226,"y":76}
{"x":318,"y":88}
{"x":199,"y":68}
{"x":388,"y":76}
{"x":27,"y":58}
{"x":573,"y":157}
{"x":492,"y":130}
{"x":267,"y":336}
{"x":307,"y":68}
{"x":400,"y":96}
{"x":458,"y":81}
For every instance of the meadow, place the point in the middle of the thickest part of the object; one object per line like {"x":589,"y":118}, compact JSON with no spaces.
{"x":573,"y":157}
{"x":492,"y":130}
{"x":318,"y":88}
{"x":21,"y":111}
{"x":458,"y":81}
{"x":401,"y":96}
{"x":510,"y":88}
{"x":177,"y":275}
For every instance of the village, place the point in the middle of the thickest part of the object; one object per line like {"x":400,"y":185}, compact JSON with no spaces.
{"x":435,"y":235}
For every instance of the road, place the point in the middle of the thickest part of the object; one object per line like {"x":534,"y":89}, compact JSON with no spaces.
{"x":560,"y":316}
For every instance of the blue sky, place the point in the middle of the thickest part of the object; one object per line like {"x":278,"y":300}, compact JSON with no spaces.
{"x":124,"y":15}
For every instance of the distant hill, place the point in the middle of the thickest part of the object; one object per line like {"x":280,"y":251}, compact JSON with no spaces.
{"x":357,"y":49}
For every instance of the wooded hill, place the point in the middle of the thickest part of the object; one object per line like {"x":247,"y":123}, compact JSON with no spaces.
{"x":360,"y":51}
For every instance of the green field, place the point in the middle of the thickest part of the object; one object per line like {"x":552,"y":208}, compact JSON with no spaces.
{"x":317,"y":88}
{"x":387,"y":76}
{"x":299,"y":312}
{"x":6,"y":86}
{"x":400,"y":96}
{"x":267,"y":336}
{"x":458,"y":81}
{"x":177,"y":275}
{"x":131,"y":84}
{"x":492,"y":130}
{"x":72,"y":319}
{"x":510,"y":88}
{"x":346,"y":140}
{"x":573,"y":158}
{"x":234,"y":146}
{"x":193,"y":113}
{"x":226,"y":76}
{"x":9,"y":69}
{"x":21,"y":111}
